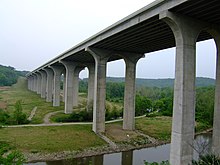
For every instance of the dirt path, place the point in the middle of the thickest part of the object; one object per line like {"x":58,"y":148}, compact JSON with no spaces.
{"x":48,"y":123}
{"x":47,"y":116}
{"x":32,"y":113}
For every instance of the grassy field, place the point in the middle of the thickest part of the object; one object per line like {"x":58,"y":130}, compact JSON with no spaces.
{"x":157,"y":127}
{"x":64,"y":138}
{"x":51,"y":139}
{"x":29,"y":99}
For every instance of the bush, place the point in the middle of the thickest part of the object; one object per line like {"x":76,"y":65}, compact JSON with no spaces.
{"x":4,"y":117}
{"x":18,"y":116}
{"x":9,"y":156}
{"x":207,"y":159}
{"x":76,"y":116}
{"x":161,"y":163}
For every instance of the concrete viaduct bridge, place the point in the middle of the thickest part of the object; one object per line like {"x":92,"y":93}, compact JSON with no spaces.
{"x":160,"y":25}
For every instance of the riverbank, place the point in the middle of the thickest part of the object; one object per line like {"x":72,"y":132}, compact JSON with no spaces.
{"x":42,"y":157}
{"x":43,"y":143}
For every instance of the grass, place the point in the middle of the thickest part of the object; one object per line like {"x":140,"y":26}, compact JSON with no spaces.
{"x":156,"y":127}
{"x":75,"y":137}
{"x":29,"y":99}
{"x":51,"y":139}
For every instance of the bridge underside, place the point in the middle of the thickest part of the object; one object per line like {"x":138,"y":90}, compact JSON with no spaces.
{"x":162,"y":25}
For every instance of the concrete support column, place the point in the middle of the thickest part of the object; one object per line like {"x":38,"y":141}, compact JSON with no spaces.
{"x":76,"y":85}
{"x":56,"y":87}
{"x":35,"y":83}
{"x":49,"y":84}
{"x":38,"y":83}
{"x":70,"y":67}
{"x":130,"y":92}
{"x":43,"y":83}
{"x":101,"y":57}
{"x":31,"y":83}
{"x":28,"y":82}
{"x":185,"y":31}
{"x":64,"y":85}
{"x":216,"y":122}
{"x":91,"y":80}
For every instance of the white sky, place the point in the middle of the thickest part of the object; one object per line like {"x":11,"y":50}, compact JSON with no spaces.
{"x":34,"y":31}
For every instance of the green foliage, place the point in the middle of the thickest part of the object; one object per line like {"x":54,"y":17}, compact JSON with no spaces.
{"x":9,"y":76}
{"x":113,"y":114}
{"x":162,"y":83}
{"x":83,"y":86}
{"x":155,"y":163}
{"x":205,"y":104}
{"x":155,"y":98}
{"x":4,"y":117}
{"x":8,"y":156}
{"x":18,"y":115}
{"x":207,"y":159}
{"x":142,"y":105}
{"x":76,"y":116}
{"x":114,"y":91}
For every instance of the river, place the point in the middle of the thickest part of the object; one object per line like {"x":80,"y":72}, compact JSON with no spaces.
{"x":202,"y":143}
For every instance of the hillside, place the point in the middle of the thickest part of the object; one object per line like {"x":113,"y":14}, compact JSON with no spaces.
{"x":9,"y":76}
{"x":200,"y":82}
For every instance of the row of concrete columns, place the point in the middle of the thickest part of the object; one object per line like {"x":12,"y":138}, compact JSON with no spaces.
{"x":185,"y":31}
{"x":46,"y":82}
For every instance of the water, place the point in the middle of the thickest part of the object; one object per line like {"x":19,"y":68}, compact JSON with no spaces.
{"x":134,"y":157}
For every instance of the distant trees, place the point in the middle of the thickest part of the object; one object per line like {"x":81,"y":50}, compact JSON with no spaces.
{"x":9,"y":76}
{"x":159,"y":100}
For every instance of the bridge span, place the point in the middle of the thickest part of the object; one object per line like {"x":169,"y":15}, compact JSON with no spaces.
{"x":160,"y":25}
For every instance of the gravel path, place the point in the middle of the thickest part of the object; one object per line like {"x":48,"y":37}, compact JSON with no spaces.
{"x":47,"y":116}
{"x":60,"y":124}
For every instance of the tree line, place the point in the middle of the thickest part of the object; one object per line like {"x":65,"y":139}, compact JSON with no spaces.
{"x":154,"y":101}
{"x":9,"y":76}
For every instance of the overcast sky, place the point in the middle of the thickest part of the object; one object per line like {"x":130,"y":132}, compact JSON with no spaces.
{"x":33,"y":32}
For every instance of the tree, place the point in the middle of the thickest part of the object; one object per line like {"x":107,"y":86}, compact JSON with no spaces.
{"x":19,"y":116}
{"x":142,"y":105}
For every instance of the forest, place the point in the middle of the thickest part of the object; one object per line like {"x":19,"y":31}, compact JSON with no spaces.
{"x":9,"y":76}
{"x":158,"y":100}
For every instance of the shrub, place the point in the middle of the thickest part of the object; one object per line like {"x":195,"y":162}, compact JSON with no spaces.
{"x":207,"y":159}
{"x":4,"y":117}
{"x":155,"y":163}
{"x":19,"y":116}
{"x":8,"y":156}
